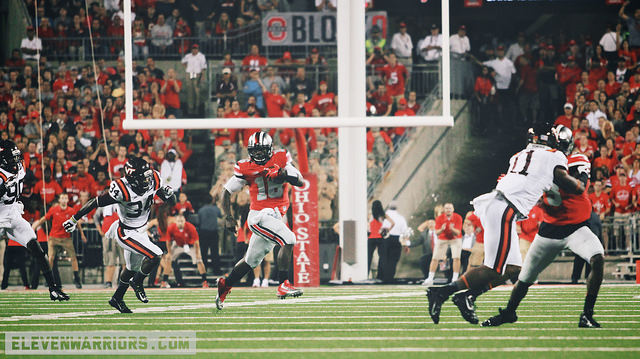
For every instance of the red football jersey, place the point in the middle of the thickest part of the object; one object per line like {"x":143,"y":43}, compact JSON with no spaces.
{"x":575,"y":208}
{"x":530,"y":225}
{"x":265,"y":193}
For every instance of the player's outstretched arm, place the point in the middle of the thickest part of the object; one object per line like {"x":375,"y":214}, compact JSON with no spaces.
{"x":229,"y":221}
{"x":567,"y":183}
{"x":104,"y":200}
{"x":288,"y":174}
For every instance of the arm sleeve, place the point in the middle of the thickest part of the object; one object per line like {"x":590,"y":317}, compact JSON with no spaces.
{"x":94,"y":203}
{"x":234,"y":184}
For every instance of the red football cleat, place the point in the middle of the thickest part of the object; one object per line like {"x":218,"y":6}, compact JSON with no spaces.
{"x":205,"y":284}
{"x":223,"y":290}
{"x":285,"y":289}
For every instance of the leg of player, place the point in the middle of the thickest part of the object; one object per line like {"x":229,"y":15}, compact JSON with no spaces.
{"x":226,"y":283}
{"x":116,"y":300}
{"x":286,"y":288}
{"x":148,"y":264}
{"x":55,"y":293}
{"x":593,"y":287}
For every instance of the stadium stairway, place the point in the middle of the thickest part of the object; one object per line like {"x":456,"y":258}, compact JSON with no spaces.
{"x":199,"y":168}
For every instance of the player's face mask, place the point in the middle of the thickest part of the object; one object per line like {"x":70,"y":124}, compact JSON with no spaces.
{"x":142,"y":183}
{"x":260,"y":154}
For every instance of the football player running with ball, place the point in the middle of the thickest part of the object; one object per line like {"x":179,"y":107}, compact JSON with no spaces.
{"x":269,"y":174}
{"x":532,"y":171}
{"x":11,"y":222}
{"x":564,"y":226}
{"x":134,"y":196}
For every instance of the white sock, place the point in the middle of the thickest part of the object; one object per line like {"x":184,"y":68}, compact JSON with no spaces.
{"x":454,"y":277}
{"x":431,"y":275}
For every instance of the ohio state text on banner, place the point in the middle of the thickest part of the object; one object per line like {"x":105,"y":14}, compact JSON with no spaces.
{"x":306,"y":259}
{"x":309,"y":28}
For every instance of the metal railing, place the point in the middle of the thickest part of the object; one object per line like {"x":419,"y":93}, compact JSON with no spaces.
{"x":621,"y":235}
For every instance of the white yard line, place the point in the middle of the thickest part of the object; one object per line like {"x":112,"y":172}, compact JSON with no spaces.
{"x":426,"y":350}
{"x":430,"y":338}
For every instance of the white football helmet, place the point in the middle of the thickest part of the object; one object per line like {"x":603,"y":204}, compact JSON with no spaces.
{"x":260,"y":147}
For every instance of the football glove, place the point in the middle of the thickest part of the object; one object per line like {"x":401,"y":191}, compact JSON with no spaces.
{"x":70,"y":224}
{"x":275,"y":172}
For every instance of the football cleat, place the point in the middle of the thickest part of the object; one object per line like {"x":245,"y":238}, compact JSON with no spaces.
{"x":285,"y":289}
{"x":56,"y":293}
{"x":465,"y":302}
{"x":436,"y":297}
{"x":119,"y":305}
{"x":205,"y":284}
{"x":505,"y":316}
{"x":223,"y":290}
{"x":587,"y":321}
{"x":139,"y":290}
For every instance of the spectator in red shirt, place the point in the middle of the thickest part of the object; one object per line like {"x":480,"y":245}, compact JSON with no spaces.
{"x":567,"y":118}
{"x":528,"y":90}
{"x":48,"y":189}
{"x":183,"y":206}
{"x":254,"y":61}
{"x":16,"y":60}
{"x":116,"y":164}
{"x":171,"y":87}
{"x":273,"y":100}
{"x":236,"y":112}
{"x":528,"y":229}
{"x":58,"y":237}
{"x":449,"y":231}
{"x":412,"y":102}
{"x":183,"y":239}
{"x":323,"y":100}
{"x":301,"y":108}
{"x":621,"y":197}
{"x":382,"y":101}
{"x":395,"y":75}
{"x":612,"y":87}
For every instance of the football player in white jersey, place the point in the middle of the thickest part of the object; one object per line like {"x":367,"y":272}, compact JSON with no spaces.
{"x":11,"y":222}
{"x":537,"y":169}
{"x":134,"y":196}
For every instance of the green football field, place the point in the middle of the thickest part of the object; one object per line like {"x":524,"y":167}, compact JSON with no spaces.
{"x":346,"y":321}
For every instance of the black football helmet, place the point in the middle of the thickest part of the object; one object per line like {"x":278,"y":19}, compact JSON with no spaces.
{"x":10,"y":156}
{"x":260,"y":147}
{"x":561,"y":138}
{"x":138,"y":174}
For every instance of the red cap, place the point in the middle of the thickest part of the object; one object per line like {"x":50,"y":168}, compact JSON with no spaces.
{"x":587,"y":43}
{"x":111,"y":71}
{"x":462,"y":27}
{"x":286,"y":55}
{"x":571,"y":58}
{"x":551,"y":47}
{"x":402,"y":101}
{"x":403,"y":24}
{"x":195,"y":46}
{"x":314,"y":50}
{"x":572,"y":42}
{"x":323,"y":82}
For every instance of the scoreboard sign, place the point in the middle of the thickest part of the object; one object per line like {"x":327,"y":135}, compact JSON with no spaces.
{"x":309,"y":28}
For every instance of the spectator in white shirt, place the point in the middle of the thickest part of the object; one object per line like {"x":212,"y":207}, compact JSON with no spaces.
{"x":431,"y":48}
{"x":30,"y":45}
{"x":161,"y":35}
{"x":402,"y":46}
{"x":195,"y":63}
{"x":171,"y":170}
{"x":391,"y":247}
{"x":459,"y":43}
{"x":516,"y":49}
{"x":594,"y":116}
{"x":504,"y":69}
{"x":610,"y":43}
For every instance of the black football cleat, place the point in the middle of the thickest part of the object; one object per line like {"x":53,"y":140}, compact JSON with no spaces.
{"x":587,"y":321}
{"x":139,"y":290}
{"x":505,"y":316}
{"x":465,"y":302}
{"x":436,"y":297}
{"x":56,"y":293}
{"x":119,"y":305}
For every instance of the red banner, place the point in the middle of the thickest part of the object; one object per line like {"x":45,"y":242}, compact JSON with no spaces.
{"x":306,"y":260}
{"x":472,"y":3}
